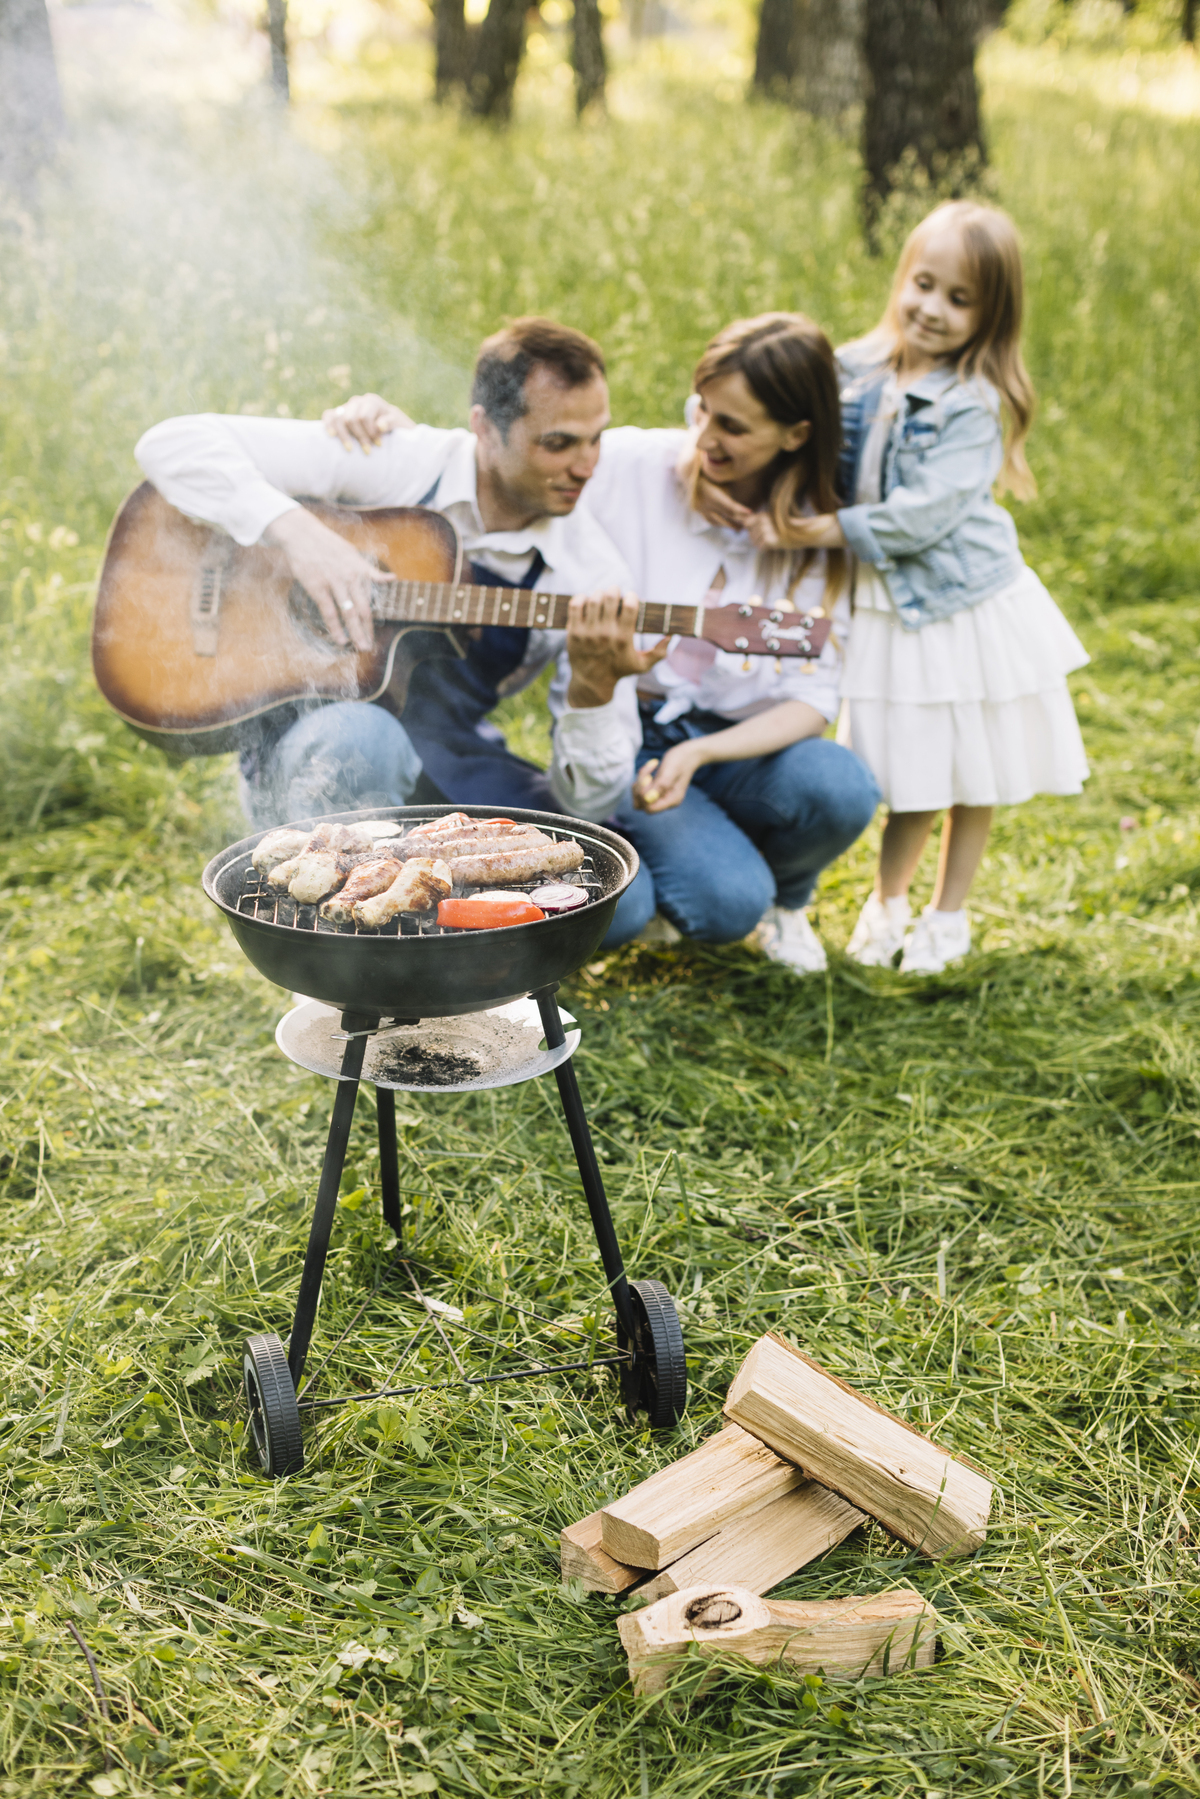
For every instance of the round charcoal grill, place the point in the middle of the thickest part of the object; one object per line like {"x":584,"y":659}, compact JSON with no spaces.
{"x":413,"y":968}
{"x":371,"y":994}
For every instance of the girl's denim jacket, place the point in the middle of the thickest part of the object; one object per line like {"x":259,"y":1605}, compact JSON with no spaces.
{"x":937,"y":537}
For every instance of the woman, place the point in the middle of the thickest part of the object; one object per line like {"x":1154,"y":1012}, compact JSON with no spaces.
{"x":738,"y":801}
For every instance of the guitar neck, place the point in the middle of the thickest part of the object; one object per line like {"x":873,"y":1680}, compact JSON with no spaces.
{"x":440,"y":603}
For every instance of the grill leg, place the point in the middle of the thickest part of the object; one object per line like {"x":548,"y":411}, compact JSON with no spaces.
{"x":389,"y":1164}
{"x":585,"y":1155}
{"x":327,"y":1193}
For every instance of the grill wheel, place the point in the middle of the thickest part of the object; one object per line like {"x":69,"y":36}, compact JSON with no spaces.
{"x":274,"y":1416}
{"x":656,"y":1382}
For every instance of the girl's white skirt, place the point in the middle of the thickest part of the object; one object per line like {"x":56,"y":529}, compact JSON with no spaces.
{"x":972,"y":710}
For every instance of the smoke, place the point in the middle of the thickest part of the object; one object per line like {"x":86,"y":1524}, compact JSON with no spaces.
{"x":177,"y":260}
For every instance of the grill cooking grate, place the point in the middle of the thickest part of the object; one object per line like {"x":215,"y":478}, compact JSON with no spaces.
{"x":261,"y":902}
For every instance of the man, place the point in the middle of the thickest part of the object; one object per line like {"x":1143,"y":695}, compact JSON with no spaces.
{"x":510,"y":484}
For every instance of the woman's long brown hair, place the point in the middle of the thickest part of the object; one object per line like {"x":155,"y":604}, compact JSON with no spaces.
{"x":788,"y":365}
{"x":992,"y":250}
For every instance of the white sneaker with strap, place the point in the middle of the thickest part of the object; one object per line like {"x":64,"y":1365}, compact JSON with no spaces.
{"x":936,"y":940}
{"x":878,"y":936}
{"x":788,"y":937}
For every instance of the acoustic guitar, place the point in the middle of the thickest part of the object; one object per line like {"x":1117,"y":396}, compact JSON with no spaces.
{"x":194,"y":636}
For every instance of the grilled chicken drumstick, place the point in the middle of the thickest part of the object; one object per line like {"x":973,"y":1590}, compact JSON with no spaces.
{"x":369,"y":878}
{"x":417,"y":888}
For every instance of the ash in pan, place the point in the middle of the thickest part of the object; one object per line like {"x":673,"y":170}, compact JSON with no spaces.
{"x":423,"y":1066}
{"x":443,"y":1052}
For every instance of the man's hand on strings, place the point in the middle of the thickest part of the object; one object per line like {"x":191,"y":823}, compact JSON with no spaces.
{"x":600,"y":646}
{"x":363,"y":421}
{"x":331,"y":572}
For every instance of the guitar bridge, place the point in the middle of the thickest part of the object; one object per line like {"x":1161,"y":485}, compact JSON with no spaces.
{"x":206,"y":596}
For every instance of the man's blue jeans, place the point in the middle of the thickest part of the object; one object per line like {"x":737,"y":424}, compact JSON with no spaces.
{"x":748,"y":835}
{"x":340,"y":758}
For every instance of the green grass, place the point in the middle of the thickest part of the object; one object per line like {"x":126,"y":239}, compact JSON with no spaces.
{"x":973,"y":1195}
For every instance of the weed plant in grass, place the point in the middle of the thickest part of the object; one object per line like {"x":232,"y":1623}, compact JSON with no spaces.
{"x":971,"y":1194}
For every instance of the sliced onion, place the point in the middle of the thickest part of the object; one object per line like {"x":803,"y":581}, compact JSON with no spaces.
{"x":559,"y":896}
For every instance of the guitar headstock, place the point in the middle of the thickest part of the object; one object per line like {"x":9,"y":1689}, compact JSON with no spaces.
{"x":765,"y":631}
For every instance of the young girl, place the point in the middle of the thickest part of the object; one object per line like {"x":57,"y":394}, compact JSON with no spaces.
{"x":954,"y":689}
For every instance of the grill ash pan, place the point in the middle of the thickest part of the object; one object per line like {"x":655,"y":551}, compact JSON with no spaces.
{"x":417,"y":970}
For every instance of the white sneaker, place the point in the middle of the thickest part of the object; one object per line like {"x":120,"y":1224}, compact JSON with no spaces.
{"x":879,"y":934}
{"x":658,"y":930}
{"x":936,"y":939}
{"x":788,"y":937}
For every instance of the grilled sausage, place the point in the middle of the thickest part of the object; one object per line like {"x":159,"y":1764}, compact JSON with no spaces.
{"x":449,"y":847}
{"x":522,"y":864}
{"x":452,"y":822}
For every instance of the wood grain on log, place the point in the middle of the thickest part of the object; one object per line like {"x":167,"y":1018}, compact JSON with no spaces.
{"x":848,"y":1443}
{"x":887,"y":1634}
{"x":683,"y":1505}
{"x":584,"y":1558}
{"x":759,"y":1549}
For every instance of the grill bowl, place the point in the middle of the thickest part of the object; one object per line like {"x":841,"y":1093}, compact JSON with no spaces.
{"x":429,"y":973}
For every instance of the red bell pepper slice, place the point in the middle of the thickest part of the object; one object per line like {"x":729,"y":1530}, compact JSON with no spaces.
{"x":486,"y":915}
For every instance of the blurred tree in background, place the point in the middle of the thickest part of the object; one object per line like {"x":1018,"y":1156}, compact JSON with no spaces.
{"x":277,"y":35}
{"x":922,"y":97}
{"x":809,"y":52}
{"x":31,"y":112}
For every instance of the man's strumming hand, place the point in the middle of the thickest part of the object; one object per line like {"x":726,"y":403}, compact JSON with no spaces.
{"x":337,"y":579}
{"x":600,"y":646}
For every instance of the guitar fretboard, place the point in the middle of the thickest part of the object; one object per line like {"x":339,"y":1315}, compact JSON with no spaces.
{"x":442,"y":603}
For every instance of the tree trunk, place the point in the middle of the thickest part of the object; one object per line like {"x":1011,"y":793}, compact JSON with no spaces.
{"x":497,"y":60}
{"x":1189,"y":21}
{"x":277,"y":32}
{"x":31,"y":111}
{"x":587,"y":55}
{"x":922,"y":101}
{"x":829,"y":75}
{"x":450,"y":47}
{"x":775,"y":52}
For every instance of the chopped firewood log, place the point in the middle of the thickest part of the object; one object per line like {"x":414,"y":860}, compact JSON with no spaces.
{"x":759,"y":1549}
{"x":683,"y":1505}
{"x":583,"y":1558}
{"x":873,"y":1459}
{"x":887,"y":1634}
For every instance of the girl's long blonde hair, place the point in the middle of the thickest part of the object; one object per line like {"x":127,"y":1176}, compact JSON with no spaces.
{"x":789,"y":366}
{"x":992,"y":250}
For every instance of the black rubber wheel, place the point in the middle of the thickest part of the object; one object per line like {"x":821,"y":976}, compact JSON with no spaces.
{"x":655,"y":1380}
{"x":274,"y":1415}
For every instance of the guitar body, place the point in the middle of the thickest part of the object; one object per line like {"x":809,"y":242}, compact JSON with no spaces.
{"x":194,"y":636}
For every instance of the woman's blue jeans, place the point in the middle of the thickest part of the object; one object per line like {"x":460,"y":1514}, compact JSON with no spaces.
{"x":747,"y":836}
